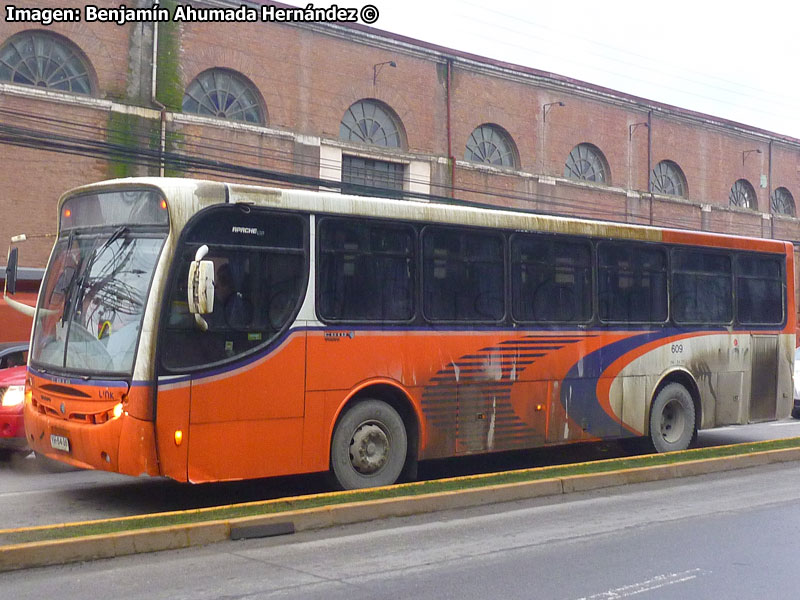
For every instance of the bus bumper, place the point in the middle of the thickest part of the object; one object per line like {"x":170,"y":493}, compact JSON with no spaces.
{"x":122,"y":445}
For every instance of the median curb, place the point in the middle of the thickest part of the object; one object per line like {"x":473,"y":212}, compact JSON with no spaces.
{"x":63,"y":551}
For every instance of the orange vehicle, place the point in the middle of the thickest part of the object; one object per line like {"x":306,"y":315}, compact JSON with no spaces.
{"x":208,"y":331}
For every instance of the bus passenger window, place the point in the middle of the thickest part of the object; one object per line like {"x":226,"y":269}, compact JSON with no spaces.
{"x":367,"y":271}
{"x":632,"y":283}
{"x":551,"y":281}
{"x":701,"y":287}
{"x":463,"y":275}
{"x":759,"y":290}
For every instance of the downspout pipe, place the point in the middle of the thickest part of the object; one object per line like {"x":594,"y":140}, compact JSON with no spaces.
{"x":650,"y":158}
{"x":769,"y":191}
{"x":769,"y":171}
{"x":450,"y":156}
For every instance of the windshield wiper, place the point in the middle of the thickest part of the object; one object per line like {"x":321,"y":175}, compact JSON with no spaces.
{"x":70,"y":285}
{"x":88,"y":263}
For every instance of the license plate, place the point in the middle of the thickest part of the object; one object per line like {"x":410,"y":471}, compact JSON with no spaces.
{"x":59,"y":442}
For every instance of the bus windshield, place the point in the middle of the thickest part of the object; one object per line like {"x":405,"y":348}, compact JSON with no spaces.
{"x":95,"y":289}
{"x":90,"y":312}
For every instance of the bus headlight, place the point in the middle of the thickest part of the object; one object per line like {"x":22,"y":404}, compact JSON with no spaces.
{"x":13,"y":396}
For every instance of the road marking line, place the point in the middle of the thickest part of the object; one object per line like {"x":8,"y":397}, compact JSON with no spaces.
{"x":24,"y":493}
{"x":783,"y":424}
{"x":648,"y":585}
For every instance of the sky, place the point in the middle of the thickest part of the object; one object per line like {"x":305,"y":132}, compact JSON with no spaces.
{"x":735,"y":60}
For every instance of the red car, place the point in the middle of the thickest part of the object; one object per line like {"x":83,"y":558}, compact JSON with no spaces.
{"x":13,"y":357}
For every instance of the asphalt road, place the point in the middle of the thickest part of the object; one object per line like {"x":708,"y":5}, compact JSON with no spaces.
{"x":728,"y":535}
{"x":35,"y":493}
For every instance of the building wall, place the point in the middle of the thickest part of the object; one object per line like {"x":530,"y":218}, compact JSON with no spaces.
{"x":34,"y":179}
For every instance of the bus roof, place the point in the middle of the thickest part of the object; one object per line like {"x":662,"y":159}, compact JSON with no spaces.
{"x":206,"y":192}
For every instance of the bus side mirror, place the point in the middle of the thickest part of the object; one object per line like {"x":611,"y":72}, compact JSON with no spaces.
{"x":201,"y":284}
{"x":11,"y":271}
{"x":11,"y":280}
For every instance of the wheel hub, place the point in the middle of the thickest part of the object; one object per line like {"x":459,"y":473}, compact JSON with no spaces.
{"x":672,"y":422}
{"x":369,"y":449}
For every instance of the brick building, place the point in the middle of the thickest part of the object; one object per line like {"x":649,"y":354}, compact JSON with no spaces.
{"x":354,"y":104}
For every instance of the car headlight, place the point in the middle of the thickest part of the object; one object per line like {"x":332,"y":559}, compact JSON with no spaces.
{"x":13,"y":396}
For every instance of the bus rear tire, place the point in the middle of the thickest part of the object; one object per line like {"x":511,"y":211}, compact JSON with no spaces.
{"x":672,"y":419}
{"x":369,"y":446}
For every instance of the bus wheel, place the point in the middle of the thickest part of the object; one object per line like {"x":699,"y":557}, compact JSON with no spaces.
{"x":369,"y":446}
{"x":672,"y":419}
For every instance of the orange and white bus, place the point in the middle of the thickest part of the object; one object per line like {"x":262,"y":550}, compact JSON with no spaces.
{"x":207,"y":331}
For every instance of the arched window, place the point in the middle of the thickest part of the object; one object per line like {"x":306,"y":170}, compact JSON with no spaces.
{"x":47,"y":60}
{"x":781,"y":202}
{"x":587,"y":163}
{"x":224,"y":94}
{"x":667,"y":178}
{"x":743,"y":195}
{"x":371,"y":122}
{"x":491,"y":145}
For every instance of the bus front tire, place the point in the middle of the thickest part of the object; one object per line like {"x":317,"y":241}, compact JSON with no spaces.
{"x":672,"y":419}
{"x":369,"y":446}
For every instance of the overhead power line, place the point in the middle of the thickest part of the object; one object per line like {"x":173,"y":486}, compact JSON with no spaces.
{"x":143,"y":155}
